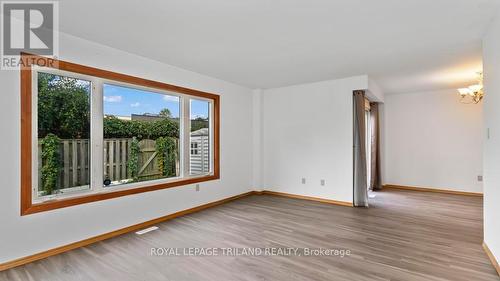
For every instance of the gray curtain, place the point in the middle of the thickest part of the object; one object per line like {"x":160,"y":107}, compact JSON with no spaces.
{"x":360,"y":177}
{"x":375,"y":178}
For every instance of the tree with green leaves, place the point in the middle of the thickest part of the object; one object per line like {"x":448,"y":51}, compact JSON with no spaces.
{"x":63,"y":106}
{"x":165,"y":113}
{"x":199,"y":123}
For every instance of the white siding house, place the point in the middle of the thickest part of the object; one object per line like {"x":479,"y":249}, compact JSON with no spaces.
{"x":200,"y":152}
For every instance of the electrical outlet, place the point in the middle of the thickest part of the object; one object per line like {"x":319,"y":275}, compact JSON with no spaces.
{"x":197,"y":187}
{"x":303,"y":180}
{"x":479,"y":178}
{"x":322,"y":182}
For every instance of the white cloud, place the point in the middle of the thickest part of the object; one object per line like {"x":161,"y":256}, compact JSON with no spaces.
{"x":112,"y":98}
{"x":135,"y":104}
{"x":170,"y":98}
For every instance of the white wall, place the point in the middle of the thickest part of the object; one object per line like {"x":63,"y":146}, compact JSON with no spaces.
{"x":432,"y":140}
{"x":21,"y":236}
{"x":308,"y":133}
{"x":257,"y":139}
{"x":374,"y":93}
{"x":491,"y":65}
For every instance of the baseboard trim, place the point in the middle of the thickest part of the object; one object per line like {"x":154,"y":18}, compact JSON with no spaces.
{"x":82,"y":243}
{"x":309,"y":198}
{"x":491,"y":257}
{"x":437,"y":190}
{"x":86,"y":242}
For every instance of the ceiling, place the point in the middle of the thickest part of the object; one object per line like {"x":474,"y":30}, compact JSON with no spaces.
{"x":405,"y":46}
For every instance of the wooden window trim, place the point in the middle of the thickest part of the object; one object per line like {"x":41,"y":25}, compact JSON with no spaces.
{"x":27,"y":205}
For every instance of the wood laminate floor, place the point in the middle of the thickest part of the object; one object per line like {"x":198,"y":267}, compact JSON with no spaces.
{"x":404,"y":235}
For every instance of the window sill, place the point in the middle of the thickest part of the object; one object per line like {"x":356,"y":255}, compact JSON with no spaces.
{"x":59,"y":203}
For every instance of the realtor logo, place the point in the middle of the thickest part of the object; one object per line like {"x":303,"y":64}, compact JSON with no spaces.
{"x":28,"y":27}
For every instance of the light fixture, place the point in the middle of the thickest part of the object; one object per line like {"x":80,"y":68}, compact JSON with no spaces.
{"x":474,"y":93}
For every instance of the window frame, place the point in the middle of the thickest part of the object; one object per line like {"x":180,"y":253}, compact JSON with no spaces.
{"x":33,"y":63}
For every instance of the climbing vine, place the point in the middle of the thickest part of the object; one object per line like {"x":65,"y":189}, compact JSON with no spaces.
{"x":51,"y":163}
{"x":133,"y":162}
{"x":167,"y":151}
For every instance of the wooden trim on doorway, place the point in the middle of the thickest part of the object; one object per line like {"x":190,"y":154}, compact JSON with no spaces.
{"x":29,"y":60}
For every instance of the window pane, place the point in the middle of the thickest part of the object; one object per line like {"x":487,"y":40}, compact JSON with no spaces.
{"x":199,"y":160}
{"x":141,"y":135}
{"x":63,"y":105}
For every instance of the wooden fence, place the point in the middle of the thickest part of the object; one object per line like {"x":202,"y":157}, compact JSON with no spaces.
{"x":116,"y":156}
{"x":75,"y":161}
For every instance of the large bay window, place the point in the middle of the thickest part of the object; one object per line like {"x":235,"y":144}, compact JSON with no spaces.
{"x":90,"y":134}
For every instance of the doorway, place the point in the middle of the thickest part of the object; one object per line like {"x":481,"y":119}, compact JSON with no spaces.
{"x":368,"y":144}
{"x":366,"y":149}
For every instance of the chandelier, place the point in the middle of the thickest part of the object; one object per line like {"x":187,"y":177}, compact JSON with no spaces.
{"x":474,"y":93}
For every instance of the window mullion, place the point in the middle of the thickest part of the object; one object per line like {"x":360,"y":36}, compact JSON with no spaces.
{"x":96,"y":136}
{"x":34,"y":131}
{"x":185,"y":132}
{"x":211,"y":136}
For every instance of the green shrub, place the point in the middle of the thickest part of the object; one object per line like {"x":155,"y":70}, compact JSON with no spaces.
{"x":117,"y":128}
{"x":167,"y":153}
{"x":51,"y":163}
{"x":133,"y":162}
{"x":199,"y":123}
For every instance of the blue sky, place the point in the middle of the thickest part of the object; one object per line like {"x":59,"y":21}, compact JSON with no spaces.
{"x":123,"y":101}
